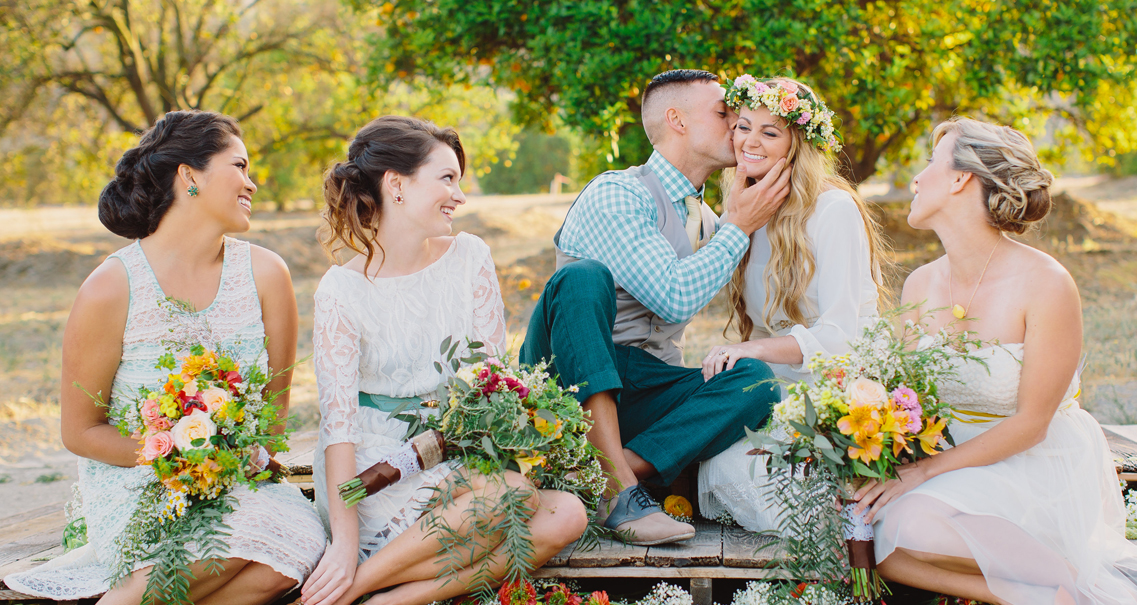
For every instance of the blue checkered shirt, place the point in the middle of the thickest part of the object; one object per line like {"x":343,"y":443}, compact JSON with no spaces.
{"x":614,"y":222}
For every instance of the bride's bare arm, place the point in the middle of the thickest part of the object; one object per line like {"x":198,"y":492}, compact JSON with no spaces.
{"x":92,"y":348}
{"x":1052,"y":346}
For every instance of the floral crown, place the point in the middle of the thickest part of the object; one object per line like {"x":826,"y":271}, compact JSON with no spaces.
{"x":785,"y":99}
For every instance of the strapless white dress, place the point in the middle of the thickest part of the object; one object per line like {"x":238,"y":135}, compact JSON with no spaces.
{"x":1046,"y":519}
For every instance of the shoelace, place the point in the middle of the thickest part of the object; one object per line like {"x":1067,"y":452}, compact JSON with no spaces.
{"x":642,"y":498}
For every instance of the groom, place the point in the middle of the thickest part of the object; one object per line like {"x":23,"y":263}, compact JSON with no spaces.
{"x":635,"y":261}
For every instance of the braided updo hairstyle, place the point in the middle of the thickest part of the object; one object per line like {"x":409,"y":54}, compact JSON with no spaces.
{"x":1016,"y":188}
{"x":142,"y":190}
{"x":353,"y":188}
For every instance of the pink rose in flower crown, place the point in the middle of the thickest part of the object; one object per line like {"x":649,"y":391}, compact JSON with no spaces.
{"x":745,"y":79}
{"x":789,"y":103}
{"x":863,"y":391}
{"x":214,"y":399}
{"x":804,"y":119}
{"x":157,"y":445}
{"x":760,"y":88}
{"x":790,"y":87}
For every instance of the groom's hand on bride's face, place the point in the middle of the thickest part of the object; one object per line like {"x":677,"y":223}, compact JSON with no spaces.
{"x":751,"y":207}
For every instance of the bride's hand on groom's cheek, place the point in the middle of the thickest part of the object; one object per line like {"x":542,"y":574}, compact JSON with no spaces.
{"x":752,"y":207}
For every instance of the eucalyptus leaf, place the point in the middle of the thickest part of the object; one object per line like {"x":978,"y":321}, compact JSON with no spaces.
{"x":445,"y":345}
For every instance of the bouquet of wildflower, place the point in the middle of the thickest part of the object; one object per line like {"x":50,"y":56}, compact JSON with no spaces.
{"x":204,"y":430}
{"x":866,"y":413}
{"x":804,"y":593}
{"x":491,"y":420}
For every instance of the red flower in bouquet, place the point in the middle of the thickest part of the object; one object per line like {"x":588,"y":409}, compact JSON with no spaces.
{"x":517,"y":593}
{"x":561,"y":595}
{"x":599,"y":597}
{"x":233,"y":378}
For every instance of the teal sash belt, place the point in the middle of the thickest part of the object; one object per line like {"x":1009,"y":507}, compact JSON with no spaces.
{"x":390,"y":404}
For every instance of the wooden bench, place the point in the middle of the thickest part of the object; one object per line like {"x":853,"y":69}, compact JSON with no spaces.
{"x":716,"y":552}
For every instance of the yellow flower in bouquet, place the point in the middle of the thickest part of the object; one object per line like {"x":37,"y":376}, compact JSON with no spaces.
{"x":862,"y":420}
{"x":867,"y":448}
{"x":528,"y":462}
{"x":932,"y":435}
{"x":547,"y":428}
{"x":196,"y":364}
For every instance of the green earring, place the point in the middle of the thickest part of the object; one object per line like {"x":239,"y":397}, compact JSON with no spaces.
{"x":192,"y":190}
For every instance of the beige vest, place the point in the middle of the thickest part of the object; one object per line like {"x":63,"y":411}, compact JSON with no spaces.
{"x":636,"y":326}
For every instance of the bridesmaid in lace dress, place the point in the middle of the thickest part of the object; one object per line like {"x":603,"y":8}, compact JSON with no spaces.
{"x":380,"y":319}
{"x":1026,"y":508}
{"x":177,"y":194}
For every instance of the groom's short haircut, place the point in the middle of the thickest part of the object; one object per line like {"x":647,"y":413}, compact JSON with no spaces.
{"x":660,"y":95}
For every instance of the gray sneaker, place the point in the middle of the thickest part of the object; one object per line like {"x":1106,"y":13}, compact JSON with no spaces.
{"x":635,"y":512}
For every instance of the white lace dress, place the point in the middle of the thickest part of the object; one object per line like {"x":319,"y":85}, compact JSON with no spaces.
{"x":274,"y":525}
{"x":382,"y":336}
{"x":839,"y":302}
{"x":1048,"y":518}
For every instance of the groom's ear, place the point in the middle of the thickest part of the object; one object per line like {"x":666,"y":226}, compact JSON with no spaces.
{"x":676,"y":120}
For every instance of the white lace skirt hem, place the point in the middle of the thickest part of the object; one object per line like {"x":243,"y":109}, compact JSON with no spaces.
{"x":1039,"y":524}
{"x":275,"y":526}
{"x":390,"y":512}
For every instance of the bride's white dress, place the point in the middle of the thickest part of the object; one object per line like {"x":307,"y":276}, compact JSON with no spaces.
{"x":382,"y":336}
{"x":274,"y":525}
{"x":1048,"y":518}
{"x":839,"y":302}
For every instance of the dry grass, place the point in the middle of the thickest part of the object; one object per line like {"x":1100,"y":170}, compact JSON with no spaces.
{"x":40,"y":275}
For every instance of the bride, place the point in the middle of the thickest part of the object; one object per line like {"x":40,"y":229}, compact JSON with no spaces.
{"x":1026,"y":508}
{"x":809,"y":282}
{"x":380,"y":319}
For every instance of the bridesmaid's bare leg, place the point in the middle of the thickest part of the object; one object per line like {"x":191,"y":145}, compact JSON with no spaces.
{"x":954,"y":576}
{"x":256,"y":584}
{"x":130,"y":591}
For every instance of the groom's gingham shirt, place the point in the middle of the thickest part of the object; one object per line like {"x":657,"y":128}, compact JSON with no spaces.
{"x":614,"y":222}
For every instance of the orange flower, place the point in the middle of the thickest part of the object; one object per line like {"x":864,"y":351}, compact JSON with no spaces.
{"x":677,"y":506}
{"x":861,"y":421}
{"x":869,"y":448}
{"x":932,"y":435}
{"x":196,"y":364}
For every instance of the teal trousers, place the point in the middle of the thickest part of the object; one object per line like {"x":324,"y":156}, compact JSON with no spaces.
{"x":668,"y":415}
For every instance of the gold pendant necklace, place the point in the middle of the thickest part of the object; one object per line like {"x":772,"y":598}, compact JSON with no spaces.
{"x":961,"y":312}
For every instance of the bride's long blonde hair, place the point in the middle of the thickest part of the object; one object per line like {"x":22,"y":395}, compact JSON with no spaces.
{"x":792,"y":263}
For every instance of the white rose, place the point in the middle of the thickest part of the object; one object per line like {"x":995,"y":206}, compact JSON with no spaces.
{"x":863,"y":391}
{"x":197,"y":425}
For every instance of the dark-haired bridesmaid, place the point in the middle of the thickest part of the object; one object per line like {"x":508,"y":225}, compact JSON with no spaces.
{"x":177,"y":193}
{"x":380,"y":318}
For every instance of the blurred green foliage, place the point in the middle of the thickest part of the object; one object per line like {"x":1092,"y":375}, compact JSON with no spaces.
{"x":81,"y":78}
{"x":530,"y":169}
{"x":889,"y":69}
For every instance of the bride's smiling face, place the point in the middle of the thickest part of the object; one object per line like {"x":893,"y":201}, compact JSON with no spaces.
{"x":760,"y":140}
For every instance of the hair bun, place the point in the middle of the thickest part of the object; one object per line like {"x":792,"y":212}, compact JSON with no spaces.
{"x":133,"y":203}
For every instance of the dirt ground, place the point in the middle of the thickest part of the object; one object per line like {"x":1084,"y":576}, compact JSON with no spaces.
{"x":46,"y":253}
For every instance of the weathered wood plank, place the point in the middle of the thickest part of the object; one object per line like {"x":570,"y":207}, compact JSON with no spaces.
{"x":50,"y":522}
{"x":738,"y":573}
{"x":29,"y":515}
{"x":610,"y":553}
{"x":1122,"y":446}
{"x":703,"y":550}
{"x":30,"y":546}
{"x":302,"y":451}
{"x":31,"y":561}
{"x":562,"y":558}
{"x":741,"y":548}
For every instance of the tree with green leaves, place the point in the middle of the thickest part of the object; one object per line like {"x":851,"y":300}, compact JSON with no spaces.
{"x":83,"y":77}
{"x":887,"y":68}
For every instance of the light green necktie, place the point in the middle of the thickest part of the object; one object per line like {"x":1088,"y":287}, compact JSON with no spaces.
{"x":694,"y":219}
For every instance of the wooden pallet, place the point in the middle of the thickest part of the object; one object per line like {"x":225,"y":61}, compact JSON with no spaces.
{"x":28,"y":539}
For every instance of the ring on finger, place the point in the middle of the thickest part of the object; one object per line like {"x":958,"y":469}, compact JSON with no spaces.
{"x":723,"y":353}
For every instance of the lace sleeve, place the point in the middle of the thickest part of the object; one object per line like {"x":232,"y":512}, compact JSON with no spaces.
{"x":335,"y":343}
{"x":489,"y":309}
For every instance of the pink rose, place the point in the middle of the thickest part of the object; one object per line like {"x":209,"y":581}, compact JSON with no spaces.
{"x":789,"y":86}
{"x":151,"y":412}
{"x":745,"y":79}
{"x":804,"y":119}
{"x":157,"y":445}
{"x":162,"y":424}
{"x":789,"y":103}
{"x":760,"y":88}
{"x":214,"y":398}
